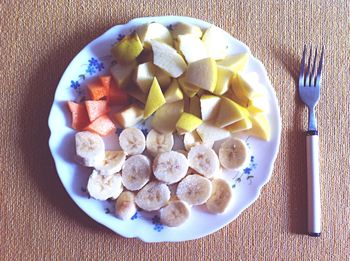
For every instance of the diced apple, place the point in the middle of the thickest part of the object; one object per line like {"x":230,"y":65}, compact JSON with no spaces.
{"x":195,"y":107}
{"x":209,"y":133}
{"x":246,"y":85}
{"x":184,"y":28}
{"x":187,"y":123}
{"x":130,"y":116}
{"x":203,"y":74}
{"x":165,"y":118}
{"x":135,"y":92}
{"x":209,"y":106}
{"x":121,"y":73}
{"x":143,"y":76}
{"x":189,"y":89}
{"x":216,"y":43}
{"x":258,"y":104}
{"x":243,"y":101}
{"x":167,"y":58}
{"x":260,"y":127}
{"x":155,"y":99}
{"x":163,"y":77}
{"x":192,"y":48}
{"x":241,"y":125}
{"x":236,"y":63}
{"x":154,"y":31}
{"x":224,"y":80}
{"x":173,"y":93}
{"x":229,"y":112}
{"x":127,"y":49}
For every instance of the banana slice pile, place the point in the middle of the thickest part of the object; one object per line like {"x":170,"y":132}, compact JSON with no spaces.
{"x":149,"y":175}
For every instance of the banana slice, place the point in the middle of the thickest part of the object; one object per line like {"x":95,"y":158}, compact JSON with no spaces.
{"x":170,"y":167}
{"x":125,"y":206}
{"x":112,"y":163}
{"x":132,"y":141}
{"x":157,"y":142}
{"x":220,"y":197}
{"x":90,"y":149}
{"x":175,"y":213}
{"x":153,"y":196}
{"x":104,"y":187}
{"x":136,"y":172}
{"x":204,"y":160}
{"x":194,"y":189}
{"x":234,"y":154}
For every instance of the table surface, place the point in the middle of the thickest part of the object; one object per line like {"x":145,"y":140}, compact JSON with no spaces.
{"x":40,"y":222}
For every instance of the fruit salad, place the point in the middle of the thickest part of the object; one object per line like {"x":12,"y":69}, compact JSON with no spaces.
{"x":183,"y":82}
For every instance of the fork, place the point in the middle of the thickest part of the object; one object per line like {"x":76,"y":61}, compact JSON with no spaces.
{"x":309,"y":92}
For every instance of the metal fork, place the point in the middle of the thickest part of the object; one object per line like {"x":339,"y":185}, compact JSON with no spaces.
{"x":309,"y":92}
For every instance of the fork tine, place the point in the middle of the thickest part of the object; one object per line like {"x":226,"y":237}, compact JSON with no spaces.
{"x":302,"y":68}
{"x":312,"y":74}
{"x":307,"y":73}
{"x":319,"y":70}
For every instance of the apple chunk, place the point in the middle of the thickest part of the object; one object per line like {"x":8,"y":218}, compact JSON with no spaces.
{"x":229,"y":112}
{"x":130,"y":116}
{"x":216,"y":43}
{"x":187,"y":123}
{"x":209,"y":106}
{"x":173,"y":93}
{"x":203,"y":74}
{"x":168,"y":59}
{"x":127,"y":49}
{"x":154,"y":31}
{"x":192,"y":48}
{"x":165,"y":118}
{"x":184,"y":28}
{"x":155,"y":99}
{"x":236,"y":63}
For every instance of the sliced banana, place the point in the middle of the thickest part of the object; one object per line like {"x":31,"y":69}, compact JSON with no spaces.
{"x":104,"y":187}
{"x":158,"y":142}
{"x":234,"y":154}
{"x":90,"y":149}
{"x":220,"y":197}
{"x":194,"y":189}
{"x":170,"y":167}
{"x":132,"y":141}
{"x":204,"y":160}
{"x":125,"y":206}
{"x":175,"y":213}
{"x":112,"y":162}
{"x":153,"y":196}
{"x":136,"y":172}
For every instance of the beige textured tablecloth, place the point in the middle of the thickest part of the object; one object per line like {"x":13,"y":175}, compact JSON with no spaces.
{"x":38,"y":219}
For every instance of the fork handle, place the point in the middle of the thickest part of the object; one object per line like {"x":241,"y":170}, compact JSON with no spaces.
{"x":313,"y":185}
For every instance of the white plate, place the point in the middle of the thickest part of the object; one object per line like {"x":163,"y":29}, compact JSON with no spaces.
{"x":95,"y":59}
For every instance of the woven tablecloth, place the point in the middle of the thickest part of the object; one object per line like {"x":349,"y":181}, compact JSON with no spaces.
{"x":38,"y":219}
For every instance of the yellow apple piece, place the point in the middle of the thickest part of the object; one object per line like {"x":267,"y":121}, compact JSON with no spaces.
{"x":121,"y":73}
{"x":155,"y":99}
{"x":187,"y":123}
{"x":229,"y":112}
{"x":246,"y":86}
{"x":189,"y":89}
{"x":185,"y":28}
{"x":209,"y":106}
{"x":209,"y":133}
{"x":136,"y":93}
{"x":258,"y":104}
{"x":127,"y":49}
{"x":203,"y":74}
{"x":235,"y":63}
{"x":224,"y":80}
{"x":165,"y":118}
{"x":241,"y":125}
{"x":173,"y":93}
{"x":216,"y":42}
{"x":163,"y":77}
{"x":192,"y":48}
{"x":144,"y":75}
{"x":195,"y":107}
{"x":260,"y":127}
{"x":243,"y":101}
{"x":130,"y":116}
{"x":168,"y":59}
{"x":154,"y":31}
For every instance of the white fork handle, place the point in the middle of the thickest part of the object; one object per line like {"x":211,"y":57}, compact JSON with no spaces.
{"x":313,"y":185}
